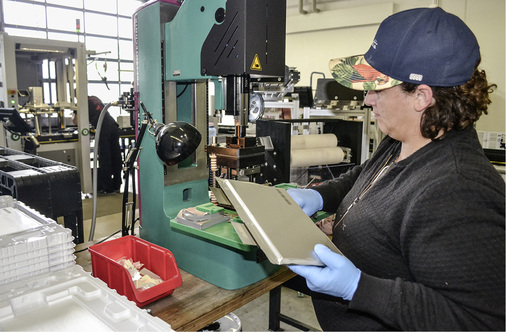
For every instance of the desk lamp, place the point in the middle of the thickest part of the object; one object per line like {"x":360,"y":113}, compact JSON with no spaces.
{"x":174,"y":142}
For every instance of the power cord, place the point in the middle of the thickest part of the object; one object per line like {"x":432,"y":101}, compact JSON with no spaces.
{"x":107,"y":238}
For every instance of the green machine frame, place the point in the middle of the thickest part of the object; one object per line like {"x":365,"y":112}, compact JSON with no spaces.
{"x":168,"y":80}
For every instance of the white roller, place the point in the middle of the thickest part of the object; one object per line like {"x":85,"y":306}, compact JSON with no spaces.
{"x":311,"y":157}
{"x":313,"y":141}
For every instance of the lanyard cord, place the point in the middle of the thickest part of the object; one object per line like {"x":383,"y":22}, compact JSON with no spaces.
{"x":374,"y":179}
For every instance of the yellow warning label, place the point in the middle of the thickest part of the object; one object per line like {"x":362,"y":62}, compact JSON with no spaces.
{"x":255,"y":65}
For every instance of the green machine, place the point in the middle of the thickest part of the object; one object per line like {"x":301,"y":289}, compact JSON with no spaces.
{"x":180,"y":48}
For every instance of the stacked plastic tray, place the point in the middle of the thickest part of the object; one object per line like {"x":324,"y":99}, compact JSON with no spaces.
{"x":31,"y":244}
{"x":70,"y":300}
{"x":42,"y":288}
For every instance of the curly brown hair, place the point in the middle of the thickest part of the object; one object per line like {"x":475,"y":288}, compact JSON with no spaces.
{"x":456,"y":107}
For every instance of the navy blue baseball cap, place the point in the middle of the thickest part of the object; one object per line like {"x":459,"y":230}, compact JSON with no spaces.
{"x":421,"y":46}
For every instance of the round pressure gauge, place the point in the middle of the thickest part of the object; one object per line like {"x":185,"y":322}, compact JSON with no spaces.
{"x":256,"y":107}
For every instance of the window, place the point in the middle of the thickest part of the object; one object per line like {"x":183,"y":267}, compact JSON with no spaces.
{"x":16,"y":14}
{"x":68,"y":3}
{"x":125,"y":50}
{"x":106,"y":48}
{"x":101,"y":6}
{"x":63,"y":19}
{"x":101,"y":25}
{"x":125,"y":29}
{"x":104,"y":26}
{"x":25,"y":32}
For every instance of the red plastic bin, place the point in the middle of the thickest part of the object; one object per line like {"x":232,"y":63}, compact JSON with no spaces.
{"x":104,"y":257}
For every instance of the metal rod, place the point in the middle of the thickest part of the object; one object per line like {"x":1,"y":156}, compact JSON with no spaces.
{"x":315,"y":10}
{"x":301,"y":7}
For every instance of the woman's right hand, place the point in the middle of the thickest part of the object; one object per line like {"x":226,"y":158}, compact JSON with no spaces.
{"x":308,"y":199}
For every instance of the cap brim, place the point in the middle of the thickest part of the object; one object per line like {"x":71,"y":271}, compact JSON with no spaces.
{"x":355,"y":73}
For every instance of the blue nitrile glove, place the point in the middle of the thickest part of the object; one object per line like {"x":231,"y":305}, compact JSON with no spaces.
{"x":308,"y":199}
{"x":338,"y":278}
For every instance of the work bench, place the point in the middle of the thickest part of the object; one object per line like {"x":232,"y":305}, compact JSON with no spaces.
{"x":198,"y":303}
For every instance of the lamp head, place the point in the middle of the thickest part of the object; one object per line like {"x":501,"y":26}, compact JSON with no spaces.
{"x":175,"y":141}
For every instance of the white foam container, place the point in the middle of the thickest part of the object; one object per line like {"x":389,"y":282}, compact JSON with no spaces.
{"x":70,"y":300}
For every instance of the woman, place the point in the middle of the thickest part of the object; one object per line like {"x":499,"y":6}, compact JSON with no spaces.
{"x":420,"y":224}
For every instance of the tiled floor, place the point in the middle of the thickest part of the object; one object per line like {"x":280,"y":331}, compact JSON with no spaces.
{"x":253,"y":316}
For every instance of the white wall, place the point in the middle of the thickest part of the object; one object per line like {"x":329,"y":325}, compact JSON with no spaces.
{"x":347,"y":27}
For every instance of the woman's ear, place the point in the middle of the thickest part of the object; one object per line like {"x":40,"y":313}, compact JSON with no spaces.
{"x":424,"y":97}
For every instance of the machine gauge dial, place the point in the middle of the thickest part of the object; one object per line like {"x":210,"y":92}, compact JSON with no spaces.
{"x":256,"y":107}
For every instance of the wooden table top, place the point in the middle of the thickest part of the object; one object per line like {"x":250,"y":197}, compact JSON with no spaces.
{"x":198,"y":303}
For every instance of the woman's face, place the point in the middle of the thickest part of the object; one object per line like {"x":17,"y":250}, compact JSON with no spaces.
{"x":394,"y":112}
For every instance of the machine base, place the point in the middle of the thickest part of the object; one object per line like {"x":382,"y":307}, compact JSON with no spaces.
{"x":218,"y":264}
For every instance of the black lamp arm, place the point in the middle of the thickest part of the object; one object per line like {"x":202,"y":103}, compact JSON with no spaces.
{"x":135,"y":151}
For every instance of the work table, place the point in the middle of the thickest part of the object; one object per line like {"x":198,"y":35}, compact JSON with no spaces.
{"x":198,"y":303}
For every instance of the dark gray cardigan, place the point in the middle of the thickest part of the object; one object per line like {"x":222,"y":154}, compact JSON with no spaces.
{"x":428,"y":237}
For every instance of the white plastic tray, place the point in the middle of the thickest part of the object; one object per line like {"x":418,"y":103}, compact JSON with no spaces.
{"x":38,"y":238}
{"x":7,"y":202}
{"x":30,"y":243}
{"x":50,"y":253}
{"x":16,"y":262}
{"x":70,"y":300}
{"x":23,"y":229}
{"x":37,"y":264}
{"x":36,"y":272}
